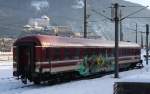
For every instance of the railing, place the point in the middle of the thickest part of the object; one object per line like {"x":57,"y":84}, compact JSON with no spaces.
{"x":6,"y":56}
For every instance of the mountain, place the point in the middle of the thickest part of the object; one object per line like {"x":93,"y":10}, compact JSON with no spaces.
{"x":14,"y":14}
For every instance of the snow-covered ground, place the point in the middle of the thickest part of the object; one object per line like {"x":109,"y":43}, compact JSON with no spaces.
{"x":103,"y":85}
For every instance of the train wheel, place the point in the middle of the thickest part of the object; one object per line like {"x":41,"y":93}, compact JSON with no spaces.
{"x":52,"y":82}
{"x":37,"y":82}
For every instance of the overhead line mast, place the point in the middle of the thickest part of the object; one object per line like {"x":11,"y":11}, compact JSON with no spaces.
{"x":85,"y":18}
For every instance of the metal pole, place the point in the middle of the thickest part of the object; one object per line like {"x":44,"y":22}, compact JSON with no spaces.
{"x":121,"y":33}
{"x":147,"y":33}
{"x":141,"y":40}
{"x":136,"y":33}
{"x":85,"y":19}
{"x":149,"y":46}
{"x":116,"y":39}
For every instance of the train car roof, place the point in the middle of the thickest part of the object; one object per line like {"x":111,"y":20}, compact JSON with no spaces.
{"x":57,"y":41}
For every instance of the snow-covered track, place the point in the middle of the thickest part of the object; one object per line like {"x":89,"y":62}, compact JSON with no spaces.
{"x":7,"y":78}
{"x":20,"y":87}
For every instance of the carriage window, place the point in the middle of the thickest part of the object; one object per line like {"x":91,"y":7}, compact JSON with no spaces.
{"x":106,"y":52}
{"x":47,"y":54}
{"x":100,"y":51}
{"x":85,"y":52}
{"x":67,"y":53}
{"x":136,"y":51}
{"x":132,"y":51}
{"x":90,"y":51}
{"x":56,"y":54}
{"x":123,"y":52}
{"x":127,"y":52}
{"x":109,"y":52}
{"x":94,"y":51}
{"x":103,"y":51}
{"x":120,"y":54}
{"x":112,"y":52}
{"x":76,"y":52}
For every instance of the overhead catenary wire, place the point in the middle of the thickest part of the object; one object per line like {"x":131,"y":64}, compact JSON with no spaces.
{"x":134,"y":13}
{"x":101,"y":14}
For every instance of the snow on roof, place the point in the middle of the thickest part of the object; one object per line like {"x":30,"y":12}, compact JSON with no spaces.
{"x":46,"y":40}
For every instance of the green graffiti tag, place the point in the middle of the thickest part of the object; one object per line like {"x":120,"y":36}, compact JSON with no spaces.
{"x":84,"y":67}
{"x":95,"y":63}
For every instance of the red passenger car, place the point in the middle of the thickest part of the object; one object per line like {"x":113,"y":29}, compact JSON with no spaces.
{"x":42,"y":57}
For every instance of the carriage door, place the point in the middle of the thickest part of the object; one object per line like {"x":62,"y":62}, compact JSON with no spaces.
{"x":25,"y":60}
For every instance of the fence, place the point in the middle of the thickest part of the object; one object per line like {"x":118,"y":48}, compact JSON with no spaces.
{"x":6,"y":56}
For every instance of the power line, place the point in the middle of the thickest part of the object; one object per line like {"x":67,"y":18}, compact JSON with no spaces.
{"x":101,"y":14}
{"x":134,"y":13}
{"x":137,"y":17}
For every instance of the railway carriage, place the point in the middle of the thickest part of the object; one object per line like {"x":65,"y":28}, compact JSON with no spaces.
{"x":42,"y":57}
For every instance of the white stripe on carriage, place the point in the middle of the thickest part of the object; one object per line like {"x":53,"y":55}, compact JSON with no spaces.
{"x":14,"y":46}
{"x":43,"y":70}
{"x":67,"y":61}
{"x":14,"y":62}
{"x":37,"y":70}
{"x":65,"y":68}
{"x":58,"y":69}
{"x":38,"y":63}
{"x":46,"y":70}
{"x":127,"y":61}
{"x":133,"y":56}
{"x":62,"y":61}
{"x":66,"y":46}
{"x":80,"y":60}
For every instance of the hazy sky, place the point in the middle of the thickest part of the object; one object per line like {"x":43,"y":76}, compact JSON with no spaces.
{"x":142,"y":2}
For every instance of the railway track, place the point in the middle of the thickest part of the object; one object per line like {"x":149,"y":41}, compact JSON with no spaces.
{"x":7,"y":78}
{"x":5,"y":65}
{"x":12,"y":84}
{"x":23,"y":86}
